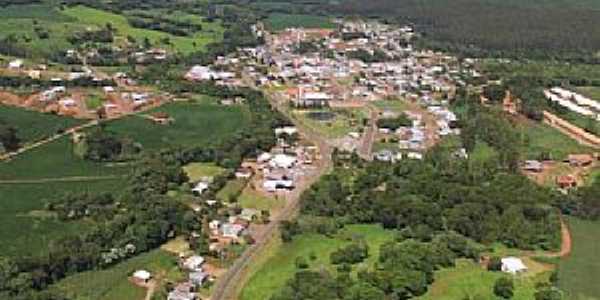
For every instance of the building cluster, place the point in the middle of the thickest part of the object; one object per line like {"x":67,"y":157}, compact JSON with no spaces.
{"x":574,"y":102}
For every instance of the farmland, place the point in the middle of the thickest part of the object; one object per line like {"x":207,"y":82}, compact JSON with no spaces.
{"x":113,"y":283}
{"x":195,"y":124}
{"x":578,"y":273}
{"x":273,"y":274}
{"x":26,"y":227}
{"x":540,"y":138}
{"x":182,"y":44}
{"x":32,"y":125}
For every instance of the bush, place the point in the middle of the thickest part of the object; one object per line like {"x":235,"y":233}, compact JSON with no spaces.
{"x":504,"y":288}
{"x":301,"y":262}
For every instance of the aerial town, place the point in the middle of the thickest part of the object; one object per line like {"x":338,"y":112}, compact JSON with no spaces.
{"x":298,"y":150}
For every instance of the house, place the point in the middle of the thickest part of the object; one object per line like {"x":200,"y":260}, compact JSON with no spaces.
{"x":200,"y":188}
{"x":414,"y":155}
{"x":141,"y":276}
{"x":566,"y":181}
{"x":283,"y":161}
{"x":231,"y":230}
{"x":193,"y":262}
{"x":533,"y":166}
{"x":289,"y":130}
{"x":15,"y":64}
{"x":512,"y":265}
{"x":272,"y":185}
{"x":198,"y":278}
{"x":243,"y":173}
{"x":580,"y":160}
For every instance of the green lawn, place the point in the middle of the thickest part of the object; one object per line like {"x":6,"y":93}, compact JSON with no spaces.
{"x":542,"y":138}
{"x":280,"y":267}
{"x":579,"y":272}
{"x":33,"y":125}
{"x":470,"y":279}
{"x":343,"y":122}
{"x":195,"y":124}
{"x":195,"y":171}
{"x":278,"y":21}
{"x":253,"y":199}
{"x":25,"y":227}
{"x":113,"y":283}
{"x":183,"y":44}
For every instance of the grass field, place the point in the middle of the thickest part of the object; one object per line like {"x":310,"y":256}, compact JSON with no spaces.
{"x":470,"y":279}
{"x":113,"y":283}
{"x":232,"y":188}
{"x":343,"y":122}
{"x":280,"y":267}
{"x":253,"y":199}
{"x":25,"y":227}
{"x":589,"y":91}
{"x":196,"y":124}
{"x":282,"y":21}
{"x":33,"y":125}
{"x":195,"y":171}
{"x":579,"y":272}
{"x":542,"y":138}
{"x":183,"y":44}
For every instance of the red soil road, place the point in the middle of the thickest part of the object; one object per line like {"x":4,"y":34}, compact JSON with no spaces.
{"x":566,"y":244}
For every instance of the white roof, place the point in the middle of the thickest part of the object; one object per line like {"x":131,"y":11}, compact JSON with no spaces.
{"x":142,"y":274}
{"x":200,"y":187}
{"x":512,"y":265}
{"x":283,"y":161}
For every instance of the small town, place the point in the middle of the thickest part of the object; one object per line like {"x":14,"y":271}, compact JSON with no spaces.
{"x":299,"y":150}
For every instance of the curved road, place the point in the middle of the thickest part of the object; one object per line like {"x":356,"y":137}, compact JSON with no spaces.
{"x":228,"y":284}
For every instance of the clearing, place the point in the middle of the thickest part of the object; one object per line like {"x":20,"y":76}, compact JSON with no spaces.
{"x":196,"y":171}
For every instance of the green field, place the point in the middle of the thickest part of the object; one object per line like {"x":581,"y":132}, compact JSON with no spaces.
{"x":470,"y":279}
{"x":579,"y":272}
{"x":253,"y":199}
{"x":195,"y":171}
{"x":113,"y":283}
{"x":589,"y":91}
{"x":25,"y":227}
{"x":54,"y":160}
{"x":231,"y":189}
{"x":282,"y":21}
{"x":280,"y":265}
{"x":343,"y":122}
{"x":541,"y":138}
{"x":183,"y":44}
{"x":195,"y":124}
{"x":31,"y":125}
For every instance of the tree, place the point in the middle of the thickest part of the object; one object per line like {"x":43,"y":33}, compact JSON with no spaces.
{"x":8,"y":137}
{"x":364,"y":291}
{"x":549,"y":293}
{"x":301,"y":262}
{"x":504,"y":287}
{"x":495,"y":264}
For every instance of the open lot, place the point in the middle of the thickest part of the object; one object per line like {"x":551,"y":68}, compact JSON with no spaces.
{"x":113,"y":283}
{"x":579,"y":272}
{"x":342,"y":121}
{"x":195,"y":124}
{"x":280,"y":267}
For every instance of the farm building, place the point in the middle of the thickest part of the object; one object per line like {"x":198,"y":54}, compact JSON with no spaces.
{"x":141,"y":276}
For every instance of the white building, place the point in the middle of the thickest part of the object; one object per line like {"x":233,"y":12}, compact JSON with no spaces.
{"x":15,"y":64}
{"x":200,"y":188}
{"x":194,"y":262}
{"x":513,"y":265}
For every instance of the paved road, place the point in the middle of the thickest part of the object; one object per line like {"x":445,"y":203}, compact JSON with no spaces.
{"x":228,"y":285}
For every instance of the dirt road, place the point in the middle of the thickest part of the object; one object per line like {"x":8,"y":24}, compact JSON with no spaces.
{"x":366,"y":147}
{"x":228,"y":284}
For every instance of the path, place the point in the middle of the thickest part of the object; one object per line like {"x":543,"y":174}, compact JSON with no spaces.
{"x":228,"y":284}
{"x":60,"y":179}
{"x":566,"y":242}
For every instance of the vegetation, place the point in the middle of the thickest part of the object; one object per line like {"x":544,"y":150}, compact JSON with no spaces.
{"x":577,"y":271}
{"x":394,"y":123}
{"x":277,"y":21}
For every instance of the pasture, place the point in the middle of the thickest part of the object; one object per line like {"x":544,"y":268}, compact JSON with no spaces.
{"x":469,"y":279}
{"x":25,"y":227}
{"x":113,"y":283}
{"x":195,"y":124}
{"x":277,"y":21}
{"x":32,"y":126}
{"x":578,"y":273}
{"x":182,"y":44}
{"x":195,"y":171}
{"x":279,"y":267}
